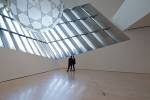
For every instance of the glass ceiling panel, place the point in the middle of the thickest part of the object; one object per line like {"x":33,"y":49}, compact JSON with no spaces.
{"x":49,"y":36}
{"x":54,"y":51}
{"x":79,"y":44}
{"x":88,"y":42}
{"x":33,"y":47}
{"x":74,"y":50}
{"x":54,"y":34}
{"x":18,"y":28}
{"x":79,"y":12}
{"x":69,"y":32}
{"x":60,"y":32}
{"x":10,"y":24}
{"x":38,"y":47}
{"x":25,"y":31}
{"x":19,"y":42}
{"x":89,"y":9}
{"x":5,"y":12}
{"x":2,"y":23}
{"x":58,"y":49}
{"x":64,"y":48}
{"x":9,"y":40}
{"x":26,"y":43}
{"x":1,"y":43}
{"x":45,"y":37}
{"x":80,"y":29}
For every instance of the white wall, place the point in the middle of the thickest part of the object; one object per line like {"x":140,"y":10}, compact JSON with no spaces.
{"x":14,"y":64}
{"x":106,"y":7}
{"x":129,"y":56}
{"x":130,"y":12}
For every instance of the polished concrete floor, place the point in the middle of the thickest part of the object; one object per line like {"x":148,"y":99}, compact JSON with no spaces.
{"x":79,"y":85}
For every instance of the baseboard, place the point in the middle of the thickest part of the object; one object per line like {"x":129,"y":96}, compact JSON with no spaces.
{"x":31,"y":75}
{"x":98,"y":69}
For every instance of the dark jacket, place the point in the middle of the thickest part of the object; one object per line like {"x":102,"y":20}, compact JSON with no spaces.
{"x":73,"y":61}
{"x":70,"y":61}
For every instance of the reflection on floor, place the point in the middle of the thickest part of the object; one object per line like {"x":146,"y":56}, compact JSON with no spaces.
{"x":81,"y":85}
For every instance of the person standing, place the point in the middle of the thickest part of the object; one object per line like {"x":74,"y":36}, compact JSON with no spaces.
{"x":69,"y":63}
{"x":73,"y":62}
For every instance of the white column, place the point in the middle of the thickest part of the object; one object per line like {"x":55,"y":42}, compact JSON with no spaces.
{"x":130,"y":12}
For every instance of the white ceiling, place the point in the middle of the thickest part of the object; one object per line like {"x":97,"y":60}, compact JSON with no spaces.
{"x":145,"y":21}
{"x":107,"y":7}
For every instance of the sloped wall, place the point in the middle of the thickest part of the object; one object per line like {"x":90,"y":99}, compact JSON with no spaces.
{"x":130,"y":12}
{"x":130,"y":56}
{"x":14,"y":64}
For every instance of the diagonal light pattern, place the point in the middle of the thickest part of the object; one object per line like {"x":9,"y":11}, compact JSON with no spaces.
{"x":80,"y":29}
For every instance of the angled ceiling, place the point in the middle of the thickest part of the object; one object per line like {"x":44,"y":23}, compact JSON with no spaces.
{"x":107,"y":7}
{"x":143,"y":22}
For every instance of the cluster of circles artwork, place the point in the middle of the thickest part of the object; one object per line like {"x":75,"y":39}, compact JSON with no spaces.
{"x":36,"y":14}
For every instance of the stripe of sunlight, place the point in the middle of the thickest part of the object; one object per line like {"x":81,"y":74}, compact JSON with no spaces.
{"x":54,"y":46}
{"x":71,"y":89}
{"x":67,"y":17}
{"x":84,"y":37}
{"x":49,"y":88}
{"x":10,"y":24}
{"x":31,"y":34}
{"x":60,"y":32}
{"x":18,"y":28}
{"x":79,"y":44}
{"x":46,"y":38}
{"x":2,"y":23}
{"x":62,"y":90}
{"x":26,"y":43}
{"x":54,"y":34}
{"x":74,"y":50}
{"x":5,"y":12}
{"x":60,"y":42}
{"x":73,"y":92}
{"x":44,"y":49}
{"x":26,"y":95}
{"x":80,"y":32}
{"x":60,"y":46}
{"x":55,"y":53}
{"x":89,"y":29}
{"x":88,"y":42}
{"x":33,"y":47}
{"x":37,"y":45}
{"x":76,"y":39}
{"x":9,"y":40}
{"x":47,"y":47}
{"x":1,"y":43}
{"x":94,"y":34}
{"x":50,"y":51}
{"x":57,"y":88}
{"x":58,"y":49}
{"x":54,"y":89}
{"x":25,"y":32}
{"x":49,"y":36}
{"x":69,"y":32}
{"x":65,"y":48}
{"x":73,"y":24}
{"x":19,"y":42}
{"x":107,"y":31}
{"x":55,"y":43}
